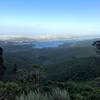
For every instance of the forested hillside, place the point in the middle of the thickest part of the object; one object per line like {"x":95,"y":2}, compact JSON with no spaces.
{"x":60,"y":73}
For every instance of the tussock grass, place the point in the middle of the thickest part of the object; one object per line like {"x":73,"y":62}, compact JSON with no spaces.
{"x":56,"y":94}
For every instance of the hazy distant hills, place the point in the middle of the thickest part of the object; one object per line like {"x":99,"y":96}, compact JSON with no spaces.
{"x":20,"y":40}
{"x":35,"y":37}
{"x":45,"y":37}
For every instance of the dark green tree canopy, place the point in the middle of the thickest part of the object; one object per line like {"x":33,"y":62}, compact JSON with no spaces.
{"x":1,"y":51}
{"x":97,"y":44}
{"x":2,"y":67}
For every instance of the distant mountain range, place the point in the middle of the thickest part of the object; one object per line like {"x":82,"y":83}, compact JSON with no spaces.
{"x":45,"y":37}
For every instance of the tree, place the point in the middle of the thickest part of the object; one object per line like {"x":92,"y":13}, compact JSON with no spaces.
{"x":1,"y":56}
{"x":31,"y":78}
{"x":14,"y":71}
{"x":97,"y":45}
{"x":36,"y":72}
{"x":2,"y":67}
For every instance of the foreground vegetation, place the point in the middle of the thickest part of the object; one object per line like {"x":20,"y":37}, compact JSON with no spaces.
{"x":56,"y":94}
{"x":55,"y":91}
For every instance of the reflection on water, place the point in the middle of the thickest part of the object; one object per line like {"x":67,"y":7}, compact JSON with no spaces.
{"x":48,"y":44}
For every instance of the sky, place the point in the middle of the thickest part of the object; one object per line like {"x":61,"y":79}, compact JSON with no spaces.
{"x":31,"y":17}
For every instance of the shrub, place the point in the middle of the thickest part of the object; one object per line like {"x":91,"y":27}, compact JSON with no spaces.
{"x":9,"y":90}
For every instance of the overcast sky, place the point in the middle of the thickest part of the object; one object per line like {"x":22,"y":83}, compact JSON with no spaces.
{"x":72,"y":17}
